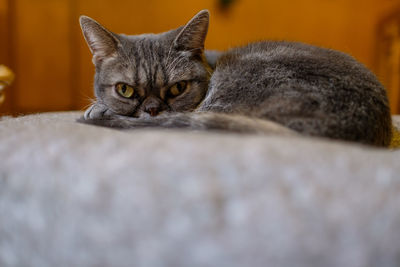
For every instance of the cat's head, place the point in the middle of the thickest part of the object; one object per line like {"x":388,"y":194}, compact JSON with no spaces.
{"x":151,"y":73}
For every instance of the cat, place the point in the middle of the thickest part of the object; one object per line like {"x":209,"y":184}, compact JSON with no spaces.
{"x":168,"y":80}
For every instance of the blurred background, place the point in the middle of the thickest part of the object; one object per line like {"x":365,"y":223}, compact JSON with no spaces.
{"x":42,"y":42}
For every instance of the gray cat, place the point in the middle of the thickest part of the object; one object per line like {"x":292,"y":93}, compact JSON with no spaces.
{"x":168,"y":80}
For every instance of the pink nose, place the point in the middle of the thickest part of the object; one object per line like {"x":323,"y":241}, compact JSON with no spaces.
{"x":152,"y":111}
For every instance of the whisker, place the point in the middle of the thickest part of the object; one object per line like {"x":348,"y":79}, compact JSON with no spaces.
{"x":89,"y":99}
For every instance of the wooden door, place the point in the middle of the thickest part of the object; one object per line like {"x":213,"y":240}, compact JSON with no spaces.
{"x":388,"y":61}
{"x":5,"y":47}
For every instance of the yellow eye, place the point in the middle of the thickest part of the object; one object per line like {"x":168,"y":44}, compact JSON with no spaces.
{"x":177,"y":89}
{"x":125,"y":90}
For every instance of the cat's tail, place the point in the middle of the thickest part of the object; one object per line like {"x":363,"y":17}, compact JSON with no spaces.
{"x":195,"y":121}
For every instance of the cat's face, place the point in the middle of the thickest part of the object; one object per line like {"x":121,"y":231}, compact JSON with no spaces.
{"x":151,"y":73}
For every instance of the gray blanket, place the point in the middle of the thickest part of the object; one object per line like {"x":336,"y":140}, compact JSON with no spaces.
{"x":80,"y":195}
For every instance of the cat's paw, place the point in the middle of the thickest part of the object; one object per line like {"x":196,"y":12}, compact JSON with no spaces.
{"x":98,"y":111}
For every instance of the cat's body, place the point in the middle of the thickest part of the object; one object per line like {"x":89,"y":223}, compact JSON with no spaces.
{"x":311,"y":90}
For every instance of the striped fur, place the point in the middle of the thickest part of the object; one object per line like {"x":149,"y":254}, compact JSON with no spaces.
{"x":262,"y":87}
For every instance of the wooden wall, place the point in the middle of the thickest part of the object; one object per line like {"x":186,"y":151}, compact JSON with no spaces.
{"x":5,"y":47}
{"x":42,"y":42}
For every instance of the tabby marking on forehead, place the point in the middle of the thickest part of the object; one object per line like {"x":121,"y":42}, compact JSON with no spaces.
{"x":149,"y":66}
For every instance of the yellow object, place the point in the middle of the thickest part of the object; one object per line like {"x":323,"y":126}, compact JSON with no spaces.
{"x":125,"y":90}
{"x":6,"y":78}
{"x":395,"y":139}
{"x":178,"y":88}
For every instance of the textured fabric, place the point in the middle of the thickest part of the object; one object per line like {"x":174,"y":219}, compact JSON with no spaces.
{"x":81,"y":195}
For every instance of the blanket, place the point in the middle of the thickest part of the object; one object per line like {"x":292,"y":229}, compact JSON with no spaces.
{"x":80,"y":195}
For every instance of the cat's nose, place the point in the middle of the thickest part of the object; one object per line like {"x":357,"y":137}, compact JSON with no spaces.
{"x":152,"y":111}
{"x":153,"y":105}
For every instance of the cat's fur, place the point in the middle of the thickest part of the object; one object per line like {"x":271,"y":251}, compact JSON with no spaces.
{"x":310,"y":90}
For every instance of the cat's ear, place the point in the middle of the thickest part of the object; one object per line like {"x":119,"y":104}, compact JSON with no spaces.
{"x":193,"y":35}
{"x":102,"y":43}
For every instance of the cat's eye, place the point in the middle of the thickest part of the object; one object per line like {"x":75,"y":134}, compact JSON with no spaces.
{"x":125,"y":90}
{"x":177,"y":89}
